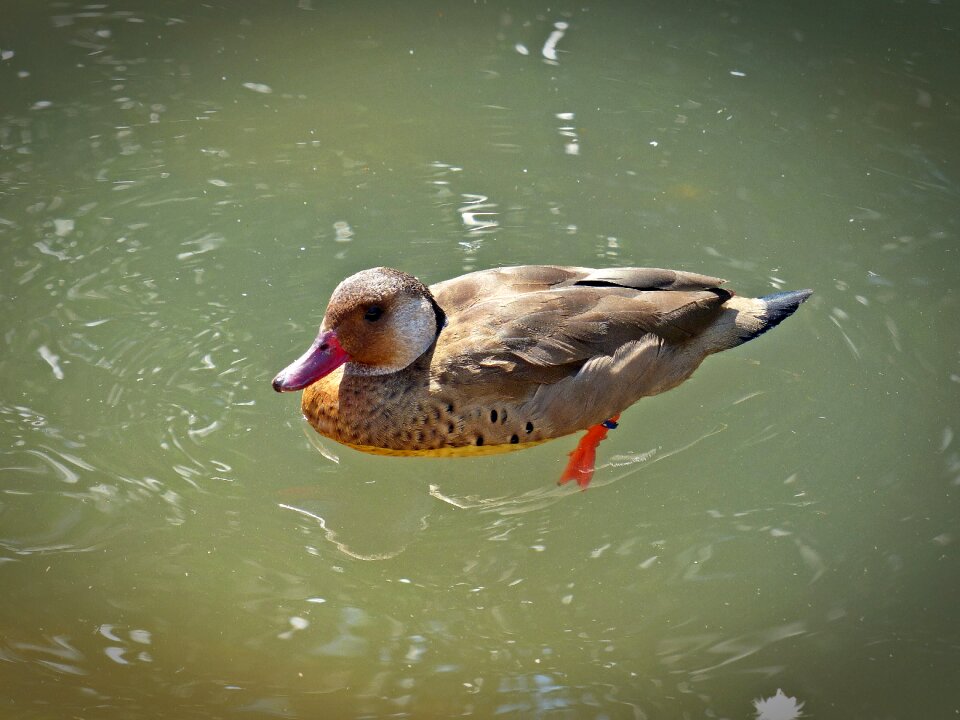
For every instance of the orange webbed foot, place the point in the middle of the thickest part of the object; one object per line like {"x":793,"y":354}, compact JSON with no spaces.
{"x":583,"y":458}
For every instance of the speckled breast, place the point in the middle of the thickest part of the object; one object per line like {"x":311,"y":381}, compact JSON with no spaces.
{"x":396,"y":415}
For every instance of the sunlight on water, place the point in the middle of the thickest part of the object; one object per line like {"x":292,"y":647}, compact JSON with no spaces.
{"x":774,"y":539}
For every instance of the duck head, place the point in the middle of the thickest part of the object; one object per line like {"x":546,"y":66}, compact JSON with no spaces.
{"x":379,"y":321}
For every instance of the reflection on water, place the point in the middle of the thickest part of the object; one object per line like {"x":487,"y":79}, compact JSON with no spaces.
{"x":332,"y":537}
{"x":178,"y":199}
{"x":541,"y":497}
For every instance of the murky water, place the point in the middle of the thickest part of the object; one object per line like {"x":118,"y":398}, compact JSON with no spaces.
{"x":181,"y":187}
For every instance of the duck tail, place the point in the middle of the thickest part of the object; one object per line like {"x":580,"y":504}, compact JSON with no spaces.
{"x":744,"y":318}
{"x":776,"y":308}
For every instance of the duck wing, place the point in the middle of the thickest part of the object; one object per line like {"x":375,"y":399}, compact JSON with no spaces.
{"x":508,"y":343}
{"x":467,"y":290}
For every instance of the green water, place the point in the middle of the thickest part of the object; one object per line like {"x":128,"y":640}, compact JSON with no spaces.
{"x":183,"y":184}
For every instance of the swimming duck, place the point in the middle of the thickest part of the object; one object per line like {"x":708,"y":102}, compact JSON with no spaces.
{"x":507,"y":358}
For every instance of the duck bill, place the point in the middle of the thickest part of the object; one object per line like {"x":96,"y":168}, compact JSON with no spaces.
{"x":323,"y":357}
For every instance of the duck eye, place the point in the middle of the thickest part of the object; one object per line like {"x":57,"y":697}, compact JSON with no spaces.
{"x":373,"y":313}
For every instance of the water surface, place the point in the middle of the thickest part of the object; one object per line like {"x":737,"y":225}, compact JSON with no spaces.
{"x":181,"y":187}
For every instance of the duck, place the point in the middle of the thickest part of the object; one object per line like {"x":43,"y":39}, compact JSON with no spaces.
{"x":507,"y":358}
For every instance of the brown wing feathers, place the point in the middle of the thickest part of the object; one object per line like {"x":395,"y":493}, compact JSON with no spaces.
{"x":545,"y":335}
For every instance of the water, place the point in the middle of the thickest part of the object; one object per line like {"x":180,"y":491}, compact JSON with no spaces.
{"x":181,"y":187}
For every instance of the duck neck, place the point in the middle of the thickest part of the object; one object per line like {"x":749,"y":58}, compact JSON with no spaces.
{"x":439,"y":314}
{"x":419,"y":365}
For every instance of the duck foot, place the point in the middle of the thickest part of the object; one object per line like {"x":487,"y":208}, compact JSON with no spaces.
{"x":583,"y":458}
